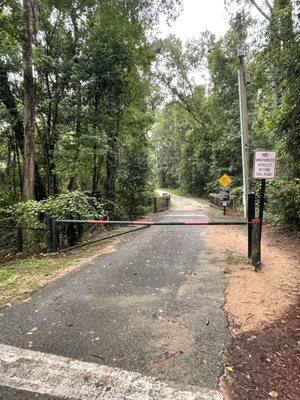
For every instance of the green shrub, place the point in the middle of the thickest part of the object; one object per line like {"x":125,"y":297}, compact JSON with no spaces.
{"x":237,"y":193}
{"x":283,"y":202}
{"x":31,"y":213}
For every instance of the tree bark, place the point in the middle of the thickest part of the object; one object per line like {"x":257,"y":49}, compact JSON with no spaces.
{"x":111,"y":170}
{"x":7,"y":98}
{"x":112,"y":165}
{"x":112,"y":159}
{"x":73,"y":184}
{"x":96,"y":164}
{"x":29,"y":104}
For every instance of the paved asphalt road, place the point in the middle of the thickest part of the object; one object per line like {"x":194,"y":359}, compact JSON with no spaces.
{"x":153,"y":305}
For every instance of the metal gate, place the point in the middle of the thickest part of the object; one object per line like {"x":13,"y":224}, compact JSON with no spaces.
{"x":254,"y":229}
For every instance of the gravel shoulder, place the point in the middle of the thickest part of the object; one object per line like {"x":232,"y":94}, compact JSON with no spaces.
{"x":263,"y":309}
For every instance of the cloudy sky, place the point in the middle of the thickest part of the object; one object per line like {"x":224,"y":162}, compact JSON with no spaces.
{"x":198,"y":16}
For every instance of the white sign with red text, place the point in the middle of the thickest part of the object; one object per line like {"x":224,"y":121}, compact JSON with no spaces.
{"x":264,"y":164}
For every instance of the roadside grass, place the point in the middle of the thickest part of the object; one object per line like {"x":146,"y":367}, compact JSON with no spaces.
{"x":235,"y":259}
{"x":21,"y":278}
{"x":216,"y":213}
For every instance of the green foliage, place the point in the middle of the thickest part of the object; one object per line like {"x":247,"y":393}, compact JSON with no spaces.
{"x":237,"y":193}
{"x":64,"y":206}
{"x":183,"y":147}
{"x":197,"y":138}
{"x":94,"y":96}
{"x":284,"y":202}
{"x":95,"y":66}
{"x":135,"y":191}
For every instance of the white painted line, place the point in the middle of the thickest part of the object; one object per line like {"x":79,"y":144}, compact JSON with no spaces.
{"x":64,"y":377}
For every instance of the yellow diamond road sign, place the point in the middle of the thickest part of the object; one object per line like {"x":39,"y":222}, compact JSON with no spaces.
{"x":225,"y":180}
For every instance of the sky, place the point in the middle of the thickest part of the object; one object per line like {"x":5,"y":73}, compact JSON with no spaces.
{"x":198,"y":16}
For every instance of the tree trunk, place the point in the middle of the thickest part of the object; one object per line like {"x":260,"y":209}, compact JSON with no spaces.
{"x":111,"y":170}
{"x":73,"y":184}
{"x":8,"y":100}
{"x":96,"y":164}
{"x":29,"y":104}
{"x":112,"y":158}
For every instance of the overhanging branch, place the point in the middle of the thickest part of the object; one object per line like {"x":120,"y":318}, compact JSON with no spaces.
{"x":263,"y":13}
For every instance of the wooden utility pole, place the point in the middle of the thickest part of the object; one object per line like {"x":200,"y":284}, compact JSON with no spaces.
{"x":242,"y":81}
{"x":244,"y":128}
{"x":29,"y":103}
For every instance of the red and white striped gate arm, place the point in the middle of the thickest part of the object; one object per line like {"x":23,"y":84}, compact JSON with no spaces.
{"x":148,"y":222}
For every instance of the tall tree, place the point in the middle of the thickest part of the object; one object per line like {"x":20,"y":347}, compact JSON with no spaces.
{"x":29,"y":103}
{"x":91,"y":68}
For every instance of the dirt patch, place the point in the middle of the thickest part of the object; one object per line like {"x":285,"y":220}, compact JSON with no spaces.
{"x":256,"y":299}
{"x":264,"y":364}
{"x":264,"y":313}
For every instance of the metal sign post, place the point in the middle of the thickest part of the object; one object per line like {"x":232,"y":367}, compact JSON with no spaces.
{"x":262,"y":202}
{"x":264,"y":167}
{"x":242,"y":80}
{"x":224,"y":197}
{"x":251,"y":216}
{"x":225,"y":180}
{"x":264,"y":164}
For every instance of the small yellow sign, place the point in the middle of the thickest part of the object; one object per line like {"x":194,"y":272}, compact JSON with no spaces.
{"x":225,"y":180}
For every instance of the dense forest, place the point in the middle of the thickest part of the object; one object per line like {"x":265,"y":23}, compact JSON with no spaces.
{"x":77,"y":101}
{"x":197,"y":133}
{"x":96,"y":110}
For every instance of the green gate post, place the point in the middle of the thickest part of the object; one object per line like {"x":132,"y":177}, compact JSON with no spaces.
{"x":71,"y":234}
{"x":55,"y":237}
{"x":155,"y":204}
{"x":49,"y":233}
{"x":251,"y":216}
{"x":256,"y":244}
{"x":19,"y":240}
{"x":168,"y":201}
